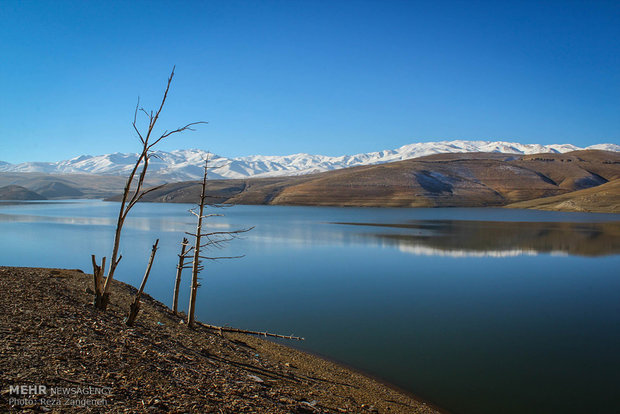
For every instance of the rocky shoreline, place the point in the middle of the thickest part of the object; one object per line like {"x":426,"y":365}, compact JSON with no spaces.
{"x":61,"y":355}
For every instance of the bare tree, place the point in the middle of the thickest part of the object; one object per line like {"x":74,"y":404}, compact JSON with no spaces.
{"x":133,"y":191}
{"x":177,"y":282}
{"x":135,"y":306}
{"x":216,"y":239}
{"x":209,"y":240}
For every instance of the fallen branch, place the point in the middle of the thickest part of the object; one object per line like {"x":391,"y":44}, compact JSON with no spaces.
{"x":243,"y":331}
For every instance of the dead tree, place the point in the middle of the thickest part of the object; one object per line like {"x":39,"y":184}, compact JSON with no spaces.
{"x":135,"y":306}
{"x":133,"y":191}
{"x":177,"y":282}
{"x":210,"y":240}
{"x":98,"y":279}
{"x":214,"y":239}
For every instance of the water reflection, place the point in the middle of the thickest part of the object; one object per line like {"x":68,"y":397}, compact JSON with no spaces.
{"x":464,"y":332}
{"x":29,"y":218}
{"x":137,"y":223}
{"x":499,"y":239}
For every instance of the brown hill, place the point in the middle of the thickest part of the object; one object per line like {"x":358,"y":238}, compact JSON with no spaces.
{"x":59,"y":186}
{"x":57,"y":189}
{"x":442,"y":180}
{"x":16,"y":192}
{"x":457,"y":180}
{"x":602,"y":199}
{"x":248,"y":191}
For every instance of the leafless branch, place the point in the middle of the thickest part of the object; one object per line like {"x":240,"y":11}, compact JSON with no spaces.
{"x":206,"y":215}
{"x":217,"y":242}
{"x":187,"y":127}
{"x":135,"y":127}
{"x":221,"y":257}
{"x":232,"y":232}
{"x":142,"y":194}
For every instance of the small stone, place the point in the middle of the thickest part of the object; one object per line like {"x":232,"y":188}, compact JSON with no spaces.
{"x":255,"y":378}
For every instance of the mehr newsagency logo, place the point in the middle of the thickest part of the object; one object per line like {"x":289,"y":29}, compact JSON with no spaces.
{"x":38,"y":394}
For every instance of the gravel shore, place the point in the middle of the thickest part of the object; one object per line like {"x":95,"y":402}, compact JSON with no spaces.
{"x":59,"y":354}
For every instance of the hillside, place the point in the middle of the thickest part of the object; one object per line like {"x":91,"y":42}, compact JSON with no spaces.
{"x":441,"y":180}
{"x":57,"y":189}
{"x":16,"y":192}
{"x":602,"y":199}
{"x":59,"y":186}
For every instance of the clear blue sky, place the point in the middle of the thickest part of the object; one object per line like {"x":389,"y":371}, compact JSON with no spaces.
{"x":327,"y":77}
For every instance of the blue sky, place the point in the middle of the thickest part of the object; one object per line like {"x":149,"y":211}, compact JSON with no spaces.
{"x":326,"y":77}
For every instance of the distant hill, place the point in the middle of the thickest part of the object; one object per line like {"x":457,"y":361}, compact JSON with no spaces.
{"x":184,"y":165}
{"x":57,"y":189}
{"x":16,"y":192}
{"x":441,"y":180}
{"x":63,"y":186}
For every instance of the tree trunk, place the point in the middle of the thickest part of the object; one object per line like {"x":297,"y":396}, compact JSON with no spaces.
{"x":105,"y":297}
{"x":177,"y":283}
{"x":135,"y":306}
{"x":196,"y":262}
{"x":98,"y":280}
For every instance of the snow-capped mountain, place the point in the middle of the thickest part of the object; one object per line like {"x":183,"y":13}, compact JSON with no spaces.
{"x":181,"y":165}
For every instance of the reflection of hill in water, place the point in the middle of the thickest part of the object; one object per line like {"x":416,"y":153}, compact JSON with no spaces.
{"x":482,"y":238}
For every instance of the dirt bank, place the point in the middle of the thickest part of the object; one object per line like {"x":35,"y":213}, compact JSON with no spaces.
{"x":51,"y":336}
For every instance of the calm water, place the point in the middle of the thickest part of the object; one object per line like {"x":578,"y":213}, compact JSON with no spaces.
{"x":476,"y":310}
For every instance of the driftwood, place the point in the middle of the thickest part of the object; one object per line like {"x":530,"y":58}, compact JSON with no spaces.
{"x":221,"y":329}
{"x":177,"y":282}
{"x":135,"y":306}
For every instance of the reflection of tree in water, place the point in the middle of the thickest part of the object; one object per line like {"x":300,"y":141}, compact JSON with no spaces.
{"x":583,"y":239}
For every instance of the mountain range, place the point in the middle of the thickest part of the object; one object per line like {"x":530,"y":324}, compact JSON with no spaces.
{"x":586,"y":180}
{"x":185,"y":165}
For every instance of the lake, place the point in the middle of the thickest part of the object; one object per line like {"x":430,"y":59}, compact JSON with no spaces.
{"x":474,"y":310}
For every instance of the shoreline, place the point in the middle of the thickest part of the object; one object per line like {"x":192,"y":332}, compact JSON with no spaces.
{"x":53,"y":336}
{"x":373,"y":377}
{"x":512,"y":206}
